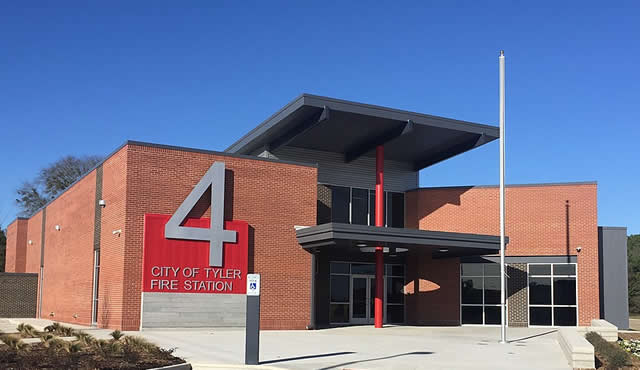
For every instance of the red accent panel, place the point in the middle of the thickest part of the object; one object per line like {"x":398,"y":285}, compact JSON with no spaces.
{"x":379,"y":222}
{"x":182,"y":266}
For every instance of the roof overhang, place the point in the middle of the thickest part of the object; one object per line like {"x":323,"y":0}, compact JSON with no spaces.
{"x":352,"y":237}
{"x":355,"y":129}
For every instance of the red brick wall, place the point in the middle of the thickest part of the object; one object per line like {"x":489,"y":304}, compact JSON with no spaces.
{"x":271,"y":197}
{"x":432,"y":290}
{"x":34,"y":233}
{"x":112,"y":247}
{"x":16,"y":243}
{"x":68,"y":256}
{"x":536,"y":224}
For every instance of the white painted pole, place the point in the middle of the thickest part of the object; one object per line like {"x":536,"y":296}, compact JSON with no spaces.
{"x":503,"y":311}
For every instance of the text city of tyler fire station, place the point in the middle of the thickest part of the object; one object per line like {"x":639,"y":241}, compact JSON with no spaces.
{"x":194,"y":273}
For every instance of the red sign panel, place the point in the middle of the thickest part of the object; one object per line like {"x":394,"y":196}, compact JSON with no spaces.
{"x":182,"y":266}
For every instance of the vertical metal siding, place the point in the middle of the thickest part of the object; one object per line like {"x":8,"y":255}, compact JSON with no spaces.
{"x":332,"y":169}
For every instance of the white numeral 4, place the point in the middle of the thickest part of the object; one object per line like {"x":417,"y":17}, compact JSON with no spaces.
{"x":215,"y":234}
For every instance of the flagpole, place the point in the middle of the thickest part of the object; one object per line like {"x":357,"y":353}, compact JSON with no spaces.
{"x":503,"y":313}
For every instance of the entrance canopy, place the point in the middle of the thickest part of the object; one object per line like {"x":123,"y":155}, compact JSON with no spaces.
{"x":356,"y":129}
{"x":349,"y":237}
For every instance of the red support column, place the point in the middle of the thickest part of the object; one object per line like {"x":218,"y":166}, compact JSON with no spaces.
{"x":379,"y":222}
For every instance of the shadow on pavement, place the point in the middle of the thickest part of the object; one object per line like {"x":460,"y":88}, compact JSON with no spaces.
{"x":305,"y":357}
{"x":532,"y":336}
{"x":377,"y":358}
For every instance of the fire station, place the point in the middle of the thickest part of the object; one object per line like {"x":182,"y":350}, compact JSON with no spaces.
{"x":323,"y":200}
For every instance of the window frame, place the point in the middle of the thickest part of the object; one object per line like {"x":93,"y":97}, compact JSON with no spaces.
{"x":387,"y":194}
{"x":552,"y":306}
{"x":385,"y":276}
{"x":483,"y":304}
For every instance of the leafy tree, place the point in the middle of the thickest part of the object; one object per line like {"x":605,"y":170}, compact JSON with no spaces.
{"x":51,"y":181}
{"x":3,"y":248}
{"x":633,"y":265}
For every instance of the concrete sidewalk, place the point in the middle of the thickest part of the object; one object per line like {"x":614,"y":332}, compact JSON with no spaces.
{"x":359,"y":347}
{"x":367,"y":348}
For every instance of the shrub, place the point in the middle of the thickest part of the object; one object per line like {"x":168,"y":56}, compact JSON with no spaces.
{"x":139,"y":344}
{"x":59,"y":329}
{"x":56,"y":344}
{"x":116,"y":334}
{"x":27,"y":331}
{"x":615,"y":356}
{"x":108,"y":348}
{"x":14,"y":342}
{"x":85,"y":338}
{"x":46,"y":339}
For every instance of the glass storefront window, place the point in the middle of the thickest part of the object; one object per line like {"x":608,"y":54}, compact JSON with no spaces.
{"x":552,"y":294}
{"x":340,"y":288}
{"x":359,"y":206}
{"x":343,"y":295}
{"x":480,"y":293}
{"x":340,"y":197}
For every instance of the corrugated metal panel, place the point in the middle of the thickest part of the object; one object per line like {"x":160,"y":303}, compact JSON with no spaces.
{"x":360,"y":173}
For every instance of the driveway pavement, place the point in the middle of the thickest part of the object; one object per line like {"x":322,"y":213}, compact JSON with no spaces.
{"x":367,"y":348}
{"x":359,"y":347}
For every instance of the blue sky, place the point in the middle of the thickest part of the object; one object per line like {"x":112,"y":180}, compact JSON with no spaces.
{"x":81,"y":78}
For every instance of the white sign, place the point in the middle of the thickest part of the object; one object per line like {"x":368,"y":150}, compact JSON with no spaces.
{"x":253,"y":284}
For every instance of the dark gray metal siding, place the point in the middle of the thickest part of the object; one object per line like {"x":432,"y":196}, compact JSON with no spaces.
{"x":360,"y":173}
{"x":614,"y":294}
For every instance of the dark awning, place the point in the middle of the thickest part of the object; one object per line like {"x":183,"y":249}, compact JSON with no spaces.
{"x":355,"y":129}
{"x":354,"y":237}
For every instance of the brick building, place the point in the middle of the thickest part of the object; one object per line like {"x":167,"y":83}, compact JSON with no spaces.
{"x":160,"y":236}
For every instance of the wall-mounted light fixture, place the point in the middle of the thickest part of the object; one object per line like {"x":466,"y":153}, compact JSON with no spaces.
{"x":102,"y":203}
{"x":117,"y":232}
{"x":30,"y":242}
{"x":443,"y":250}
{"x":57,"y":227}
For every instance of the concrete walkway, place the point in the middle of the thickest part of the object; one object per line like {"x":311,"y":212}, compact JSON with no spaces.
{"x":367,"y":348}
{"x":361,"y":347}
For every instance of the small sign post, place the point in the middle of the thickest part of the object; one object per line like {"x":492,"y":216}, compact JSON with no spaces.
{"x":252,"y":334}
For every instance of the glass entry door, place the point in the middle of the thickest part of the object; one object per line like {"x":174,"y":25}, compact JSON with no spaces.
{"x":363,"y":293}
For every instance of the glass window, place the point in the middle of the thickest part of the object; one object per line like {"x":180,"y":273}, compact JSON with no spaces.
{"x":564,"y":290}
{"x":564,"y":269}
{"x":339,"y":313}
{"x":539,"y":269}
{"x":491,"y":290}
{"x":472,"y":290}
{"x":340,"y":197}
{"x":397,"y":270}
{"x":359,"y":206}
{"x":492,"y":315}
{"x":471,"y":269}
{"x":395,"y":290}
{"x":339,"y":268}
{"x":539,"y":290}
{"x":540,"y":316}
{"x":395,"y":214}
{"x":472,"y":314}
{"x":363,"y":268}
{"x":492,"y":269}
{"x":552,"y":298}
{"x":564,"y":316}
{"x":395,"y":314}
{"x":340,"y":288}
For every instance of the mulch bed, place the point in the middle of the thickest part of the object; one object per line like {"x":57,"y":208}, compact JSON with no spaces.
{"x":635,"y":361}
{"x":39,"y":357}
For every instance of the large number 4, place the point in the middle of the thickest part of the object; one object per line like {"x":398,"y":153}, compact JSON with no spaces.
{"x":215,"y":234}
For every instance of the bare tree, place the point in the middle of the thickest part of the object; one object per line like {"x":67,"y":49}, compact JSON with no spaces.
{"x":51,"y":181}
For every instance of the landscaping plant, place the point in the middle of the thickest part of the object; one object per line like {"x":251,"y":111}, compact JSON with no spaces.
{"x":613,"y":354}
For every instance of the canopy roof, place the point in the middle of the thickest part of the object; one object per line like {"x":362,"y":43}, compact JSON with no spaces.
{"x":352,"y":237}
{"x":355,"y":129}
